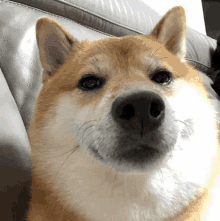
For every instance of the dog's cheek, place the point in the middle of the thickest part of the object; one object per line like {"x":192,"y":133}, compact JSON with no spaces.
{"x":182,"y":101}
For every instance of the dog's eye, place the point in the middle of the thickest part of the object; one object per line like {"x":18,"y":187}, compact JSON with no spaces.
{"x":161,"y":77}
{"x":90,"y":82}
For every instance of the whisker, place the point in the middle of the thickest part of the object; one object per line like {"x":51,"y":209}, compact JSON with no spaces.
{"x":181,"y":122}
{"x":155,"y":52}
{"x":162,"y":58}
{"x":92,"y":142}
{"x":85,"y":131}
{"x":83,"y":125}
{"x":185,"y":134}
{"x":96,"y":190}
{"x":65,"y":161}
{"x":90,"y":133}
{"x":99,"y":147}
{"x":65,"y":152}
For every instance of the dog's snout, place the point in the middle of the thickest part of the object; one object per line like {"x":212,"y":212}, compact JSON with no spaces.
{"x":140,"y":111}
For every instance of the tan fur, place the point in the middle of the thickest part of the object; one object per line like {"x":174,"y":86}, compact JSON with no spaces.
{"x":68,"y":182}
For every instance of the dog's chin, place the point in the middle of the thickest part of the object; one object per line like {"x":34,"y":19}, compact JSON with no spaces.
{"x":138,"y":158}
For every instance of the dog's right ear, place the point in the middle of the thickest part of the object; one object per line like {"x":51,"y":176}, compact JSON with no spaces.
{"x":54,"y":44}
{"x":171,"y":31}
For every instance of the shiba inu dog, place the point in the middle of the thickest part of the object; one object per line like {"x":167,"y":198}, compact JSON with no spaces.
{"x":123,"y":129}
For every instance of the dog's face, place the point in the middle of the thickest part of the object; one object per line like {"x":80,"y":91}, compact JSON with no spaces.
{"x":128,"y":108}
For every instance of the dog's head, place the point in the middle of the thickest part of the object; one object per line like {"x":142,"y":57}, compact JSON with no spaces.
{"x":130,"y":104}
{"x":132,"y":100}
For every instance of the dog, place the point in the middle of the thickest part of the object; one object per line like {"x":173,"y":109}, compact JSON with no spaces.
{"x":123,"y":129}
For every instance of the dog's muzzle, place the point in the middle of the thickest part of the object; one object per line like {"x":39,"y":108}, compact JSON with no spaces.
{"x":139,"y":116}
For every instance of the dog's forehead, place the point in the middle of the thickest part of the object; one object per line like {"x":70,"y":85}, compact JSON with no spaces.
{"x":138,"y":52}
{"x":126,"y":50}
{"x":125,"y":46}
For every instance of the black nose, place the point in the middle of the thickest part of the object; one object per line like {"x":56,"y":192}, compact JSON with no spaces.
{"x":139,"y":112}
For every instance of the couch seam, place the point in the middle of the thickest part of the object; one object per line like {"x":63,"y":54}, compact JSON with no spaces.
{"x":100,"y":16}
{"x":83,"y":9}
{"x":55,"y":15}
{"x":189,"y":59}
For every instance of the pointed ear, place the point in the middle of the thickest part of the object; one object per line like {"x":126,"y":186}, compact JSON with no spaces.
{"x":171,"y":31}
{"x":54,"y":44}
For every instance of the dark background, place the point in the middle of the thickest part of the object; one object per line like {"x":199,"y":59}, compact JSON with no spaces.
{"x":211,"y":10}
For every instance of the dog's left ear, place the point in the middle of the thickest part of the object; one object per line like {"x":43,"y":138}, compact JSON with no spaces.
{"x":171,"y":31}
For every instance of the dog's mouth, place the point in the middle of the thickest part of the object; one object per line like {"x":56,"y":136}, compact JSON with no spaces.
{"x":138,"y":155}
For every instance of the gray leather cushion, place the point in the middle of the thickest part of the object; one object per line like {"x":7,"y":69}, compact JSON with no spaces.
{"x":15,"y":164}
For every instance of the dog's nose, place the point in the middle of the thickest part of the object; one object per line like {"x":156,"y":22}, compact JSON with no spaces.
{"x":139,"y":111}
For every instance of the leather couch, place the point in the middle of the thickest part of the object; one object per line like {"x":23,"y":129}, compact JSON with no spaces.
{"x":20,"y":72}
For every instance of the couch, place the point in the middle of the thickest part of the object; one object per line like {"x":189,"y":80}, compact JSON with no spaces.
{"x":20,"y":73}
